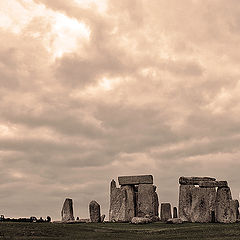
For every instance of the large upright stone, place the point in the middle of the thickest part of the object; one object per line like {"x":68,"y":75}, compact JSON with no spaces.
{"x":122,"y":203}
{"x":226,"y":208}
{"x":146,"y":200}
{"x":166,"y":212}
{"x":185,"y":202}
{"x":135,"y":180}
{"x":67,"y":210}
{"x":194,"y":180}
{"x":94,"y":211}
{"x":203,"y":204}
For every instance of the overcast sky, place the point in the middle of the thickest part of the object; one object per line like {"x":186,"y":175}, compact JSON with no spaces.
{"x":90,"y":90}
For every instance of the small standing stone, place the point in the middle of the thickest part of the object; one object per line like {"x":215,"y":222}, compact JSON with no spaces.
{"x":175,"y":212}
{"x":67,"y":210}
{"x":94,"y":210}
{"x":103,"y":217}
{"x":166,"y":212}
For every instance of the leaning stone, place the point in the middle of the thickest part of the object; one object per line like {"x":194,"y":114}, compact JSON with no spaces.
{"x":194,"y":180}
{"x":103,"y":217}
{"x":175,"y":221}
{"x":210,"y":184}
{"x":166,"y":212}
{"x":94,"y":210}
{"x":134,"y":180}
{"x":146,"y":200}
{"x":140,"y":220}
{"x":226,"y":208}
{"x":175,"y":212}
{"x":67,"y":210}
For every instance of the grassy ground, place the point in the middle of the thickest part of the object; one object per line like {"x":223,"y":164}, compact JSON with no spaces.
{"x":117,"y":231}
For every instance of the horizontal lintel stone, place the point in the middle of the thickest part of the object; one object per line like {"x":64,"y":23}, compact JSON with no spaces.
{"x":209,"y":184}
{"x":135,"y":180}
{"x":194,"y":180}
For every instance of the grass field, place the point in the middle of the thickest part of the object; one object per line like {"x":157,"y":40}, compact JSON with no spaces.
{"x":115,"y":231}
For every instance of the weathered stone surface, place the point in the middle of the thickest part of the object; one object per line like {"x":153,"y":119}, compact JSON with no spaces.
{"x":140,"y":220}
{"x":94,"y":211}
{"x":175,"y":215}
{"x":203,"y":203}
{"x":134,"y":180}
{"x":122,"y":203}
{"x":226,"y":208}
{"x":166,"y":212}
{"x":194,"y":180}
{"x":210,"y":184}
{"x":237,"y":206}
{"x":185,"y":202}
{"x":102,"y":218}
{"x":196,"y":204}
{"x":175,"y":221}
{"x":146,"y":200}
{"x":67,"y":210}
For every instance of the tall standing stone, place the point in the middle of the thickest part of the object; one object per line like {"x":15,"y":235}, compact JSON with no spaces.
{"x":122,"y":203}
{"x":203,"y":204}
{"x":166,"y":212}
{"x":67,"y":210}
{"x":146,"y":200}
{"x":94,"y":211}
{"x":226,"y":208}
{"x":175,"y":215}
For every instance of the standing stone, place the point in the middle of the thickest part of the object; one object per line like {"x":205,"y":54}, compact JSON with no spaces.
{"x":203,"y":204}
{"x":185,"y":202}
{"x":67,"y":210}
{"x":146,"y":200}
{"x":94,"y":210}
{"x":122,"y":203}
{"x":175,"y":212}
{"x":226,"y":208}
{"x":166,"y":212}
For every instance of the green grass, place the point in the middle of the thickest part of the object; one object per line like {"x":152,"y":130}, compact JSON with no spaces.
{"x":115,"y":231}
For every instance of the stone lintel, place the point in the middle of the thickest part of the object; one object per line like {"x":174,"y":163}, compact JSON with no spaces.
{"x":135,"y":180}
{"x":210,"y":184}
{"x":194,"y":180}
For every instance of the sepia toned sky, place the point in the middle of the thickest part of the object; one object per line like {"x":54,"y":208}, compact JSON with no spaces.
{"x":90,"y":90}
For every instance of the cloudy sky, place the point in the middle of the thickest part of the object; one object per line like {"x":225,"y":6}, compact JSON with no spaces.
{"x":90,"y":90}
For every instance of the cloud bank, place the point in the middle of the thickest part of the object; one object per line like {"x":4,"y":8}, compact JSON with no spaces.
{"x":92,"y":90}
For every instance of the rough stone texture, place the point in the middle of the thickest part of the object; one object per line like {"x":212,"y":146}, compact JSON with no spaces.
{"x":166,"y":212}
{"x":237,"y":210}
{"x":140,"y":220}
{"x":226,"y":208}
{"x":67,"y":210}
{"x":146,"y":200}
{"x":94,"y":211}
{"x":122,"y":203}
{"x":210,"y":184}
{"x":185,"y":202}
{"x":102,"y":218}
{"x":203,"y":203}
{"x":175,"y":212}
{"x":196,"y":204}
{"x":194,"y":180}
{"x":135,"y":180}
{"x":174,"y":221}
